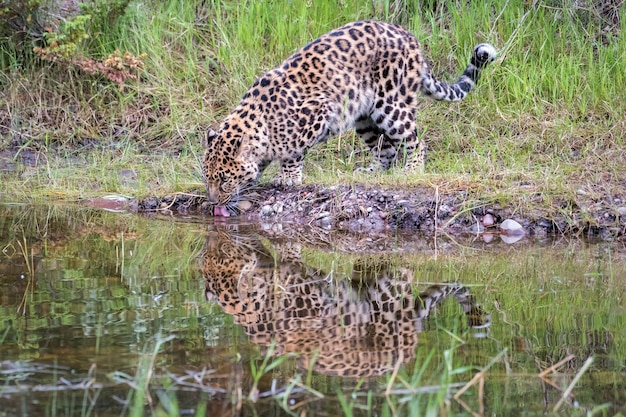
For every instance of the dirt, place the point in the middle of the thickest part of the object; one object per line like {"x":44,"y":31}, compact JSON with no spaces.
{"x":376,"y":211}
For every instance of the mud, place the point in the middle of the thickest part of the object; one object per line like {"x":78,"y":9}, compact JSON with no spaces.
{"x":374,"y":211}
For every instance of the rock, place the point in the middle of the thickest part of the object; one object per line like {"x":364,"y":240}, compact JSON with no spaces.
{"x":512,"y":228}
{"x":545,"y":223}
{"x":444,"y":210}
{"x":244,"y":205}
{"x":267,"y":210}
{"x":326,"y":222}
{"x":622,"y":211}
{"x":114,"y":202}
{"x":278,"y":207}
{"x":488,"y":220}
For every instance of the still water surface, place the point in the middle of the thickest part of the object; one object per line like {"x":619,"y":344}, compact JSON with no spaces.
{"x":95,"y":306}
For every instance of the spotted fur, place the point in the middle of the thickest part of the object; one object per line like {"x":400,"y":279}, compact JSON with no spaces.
{"x":366,"y":75}
{"x":352,"y":327}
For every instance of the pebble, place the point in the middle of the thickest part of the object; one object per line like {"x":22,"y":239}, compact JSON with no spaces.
{"x":326,"y":222}
{"x":278,"y":208}
{"x":488,"y":220}
{"x":244,"y":205}
{"x":545,"y":223}
{"x":622,"y":211}
{"x":444,"y":210}
{"x":267,"y":210}
{"x":512,"y":228}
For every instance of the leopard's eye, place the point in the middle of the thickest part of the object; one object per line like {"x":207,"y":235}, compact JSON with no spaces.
{"x":224,"y":181}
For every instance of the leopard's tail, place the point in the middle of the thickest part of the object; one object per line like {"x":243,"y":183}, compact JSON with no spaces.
{"x":439,"y":90}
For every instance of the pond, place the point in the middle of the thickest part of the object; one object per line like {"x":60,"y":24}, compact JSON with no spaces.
{"x":107,"y":313}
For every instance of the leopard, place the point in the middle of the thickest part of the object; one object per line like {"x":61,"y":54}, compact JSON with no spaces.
{"x":366,"y":75}
{"x":358,"y":326}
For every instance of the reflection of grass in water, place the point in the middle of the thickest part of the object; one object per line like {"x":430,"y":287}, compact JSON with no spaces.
{"x":542,"y":312}
{"x":28,"y":260}
{"x":549,"y":300}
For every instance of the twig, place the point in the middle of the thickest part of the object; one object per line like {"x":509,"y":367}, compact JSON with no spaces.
{"x":479,"y":375}
{"x":556,"y":365}
{"x":570,"y":387}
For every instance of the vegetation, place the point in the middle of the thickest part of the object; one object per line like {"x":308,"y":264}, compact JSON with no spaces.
{"x":116,"y":100}
{"x":101,"y":95}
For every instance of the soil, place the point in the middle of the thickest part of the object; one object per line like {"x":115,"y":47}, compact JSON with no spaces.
{"x":376,"y":211}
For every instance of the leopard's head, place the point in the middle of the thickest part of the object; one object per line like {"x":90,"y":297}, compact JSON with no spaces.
{"x":228,"y":170}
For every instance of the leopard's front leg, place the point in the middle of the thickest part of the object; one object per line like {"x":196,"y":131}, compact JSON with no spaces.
{"x":290,"y":172}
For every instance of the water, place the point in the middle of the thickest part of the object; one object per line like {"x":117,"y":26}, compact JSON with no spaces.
{"x":236,"y":319}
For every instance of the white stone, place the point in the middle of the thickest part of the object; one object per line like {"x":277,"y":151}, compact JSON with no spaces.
{"x":512,"y":228}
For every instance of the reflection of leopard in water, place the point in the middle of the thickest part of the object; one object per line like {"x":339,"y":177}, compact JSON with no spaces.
{"x":354,"y":328}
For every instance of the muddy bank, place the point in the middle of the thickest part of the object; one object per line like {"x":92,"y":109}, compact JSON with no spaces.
{"x":368,"y":210}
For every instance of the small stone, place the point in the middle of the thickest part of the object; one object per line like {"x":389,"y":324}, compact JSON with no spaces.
{"x":278,"y":208}
{"x":267,"y":210}
{"x":545,"y":223}
{"x":488,"y":220}
{"x":477,"y":228}
{"x":244,"y":205}
{"x":622,"y":211}
{"x":326,"y":222}
{"x":512,"y":228}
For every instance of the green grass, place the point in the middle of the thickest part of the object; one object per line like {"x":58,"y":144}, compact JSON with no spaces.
{"x":545,"y":122}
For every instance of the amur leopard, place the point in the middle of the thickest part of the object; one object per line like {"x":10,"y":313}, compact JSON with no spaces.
{"x":360,"y":325}
{"x":365,"y":75}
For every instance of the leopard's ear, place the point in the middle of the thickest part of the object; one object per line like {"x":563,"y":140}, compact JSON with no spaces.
{"x":209,"y":136}
{"x":245,"y":148}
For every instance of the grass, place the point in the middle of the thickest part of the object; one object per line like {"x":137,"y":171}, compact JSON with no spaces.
{"x":544,"y":126}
